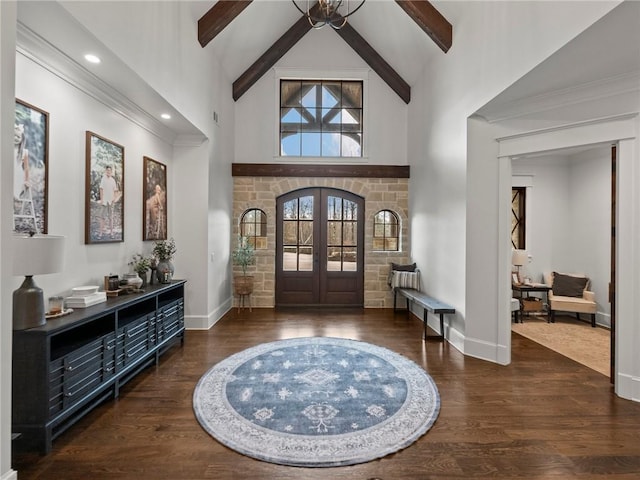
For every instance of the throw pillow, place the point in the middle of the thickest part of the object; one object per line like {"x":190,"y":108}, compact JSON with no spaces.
{"x":568,"y":285}
{"x":403,"y":268}
{"x":403,"y":279}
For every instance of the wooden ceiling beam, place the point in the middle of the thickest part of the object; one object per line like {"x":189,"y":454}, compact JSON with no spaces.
{"x":299,"y":30}
{"x":217,"y":18}
{"x":375,"y":61}
{"x":268,"y":59}
{"x":430,"y":20}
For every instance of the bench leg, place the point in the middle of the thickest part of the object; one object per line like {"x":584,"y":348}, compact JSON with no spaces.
{"x":424,"y":322}
{"x":394,"y":299}
{"x":442,"y":325}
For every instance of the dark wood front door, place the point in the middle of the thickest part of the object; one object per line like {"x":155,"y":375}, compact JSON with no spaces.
{"x":320,"y":248}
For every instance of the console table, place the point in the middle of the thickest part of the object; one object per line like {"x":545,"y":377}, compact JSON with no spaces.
{"x":71,"y":364}
{"x":523,"y":289}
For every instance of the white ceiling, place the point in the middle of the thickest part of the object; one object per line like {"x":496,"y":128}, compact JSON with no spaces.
{"x":603,"y":58}
{"x":607,"y":53}
{"x":398,"y":39}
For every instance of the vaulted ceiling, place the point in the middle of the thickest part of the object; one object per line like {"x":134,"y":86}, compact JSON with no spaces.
{"x":422,"y":12}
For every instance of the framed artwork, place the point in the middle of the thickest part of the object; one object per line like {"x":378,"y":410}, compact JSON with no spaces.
{"x":154,"y":200}
{"x":104,"y":190}
{"x":30,"y":168}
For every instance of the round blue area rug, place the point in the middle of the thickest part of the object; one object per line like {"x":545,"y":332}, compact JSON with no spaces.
{"x":316,"y":402}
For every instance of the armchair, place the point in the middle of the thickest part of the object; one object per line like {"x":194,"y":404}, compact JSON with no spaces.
{"x":570,"y":293}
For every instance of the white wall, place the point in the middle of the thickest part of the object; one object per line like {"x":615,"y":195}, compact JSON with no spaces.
{"x":385,"y":120}
{"x":71,"y":114}
{"x":494,"y":44}
{"x":159,"y":41}
{"x":7,"y":119}
{"x":568,"y":217}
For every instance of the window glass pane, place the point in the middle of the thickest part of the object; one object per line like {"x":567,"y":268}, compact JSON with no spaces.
{"x":309,"y":95}
{"x":334,"y":120}
{"x":350,"y":233}
{"x":378,"y":230}
{"x":331,"y":143}
{"x":331,"y":92}
{"x":290,"y":93}
{"x":290,"y":209}
{"x":349,"y":260}
{"x":334,"y":263}
{"x":351,"y":146}
{"x":391,"y":244}
{"x":306,"y":233}
{"x":311,"y":144}
{"x":249,"y":230}
{"x":290,"y":232}
{"x":331,"y":119}
{"x":305,"y":259}
{"x":290,"y":144}
{"x":290,"y":116}
{"x":350,"y":210}
{"x":334,"y":208}
{"x":378,"y":244}
{"x":334,"y":233}
{"x":352,"y":117}
{"x":290,"y":259}
{"x":306,"y":208}
{"x":352,"y":94}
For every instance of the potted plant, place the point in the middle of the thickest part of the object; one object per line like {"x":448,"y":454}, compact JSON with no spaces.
{"x":243,"y":256}
{"x":141,"y":264}
{"x":163,"y":251}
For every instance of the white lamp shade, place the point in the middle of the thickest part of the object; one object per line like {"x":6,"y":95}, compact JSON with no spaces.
{"x":519,"y":257}
{"x":37,"y":254}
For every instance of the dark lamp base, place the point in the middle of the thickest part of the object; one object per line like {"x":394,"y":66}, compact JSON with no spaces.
{"x":28,"y":305}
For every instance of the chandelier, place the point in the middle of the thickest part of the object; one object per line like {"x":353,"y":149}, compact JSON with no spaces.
{"x":327,"y":12}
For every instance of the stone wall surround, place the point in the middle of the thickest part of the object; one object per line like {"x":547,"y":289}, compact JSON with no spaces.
{"x":379,"y":194}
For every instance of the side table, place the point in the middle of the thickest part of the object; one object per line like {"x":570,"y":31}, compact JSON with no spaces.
{"x":523,"y":293}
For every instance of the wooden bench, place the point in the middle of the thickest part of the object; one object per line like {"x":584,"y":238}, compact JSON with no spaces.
{"x":429,"y":304}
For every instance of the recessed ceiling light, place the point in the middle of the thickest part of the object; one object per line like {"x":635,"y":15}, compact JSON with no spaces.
{"x":89,"y":57}
{"x":166,"y":116}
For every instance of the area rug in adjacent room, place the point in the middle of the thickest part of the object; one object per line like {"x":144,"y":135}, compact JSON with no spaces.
{"x":316,"y":402}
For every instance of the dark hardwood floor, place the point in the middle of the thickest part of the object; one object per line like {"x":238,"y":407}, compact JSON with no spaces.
{"x":544,"y":416}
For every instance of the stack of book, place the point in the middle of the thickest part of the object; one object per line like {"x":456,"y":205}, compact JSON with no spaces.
{"x":84,"y":301}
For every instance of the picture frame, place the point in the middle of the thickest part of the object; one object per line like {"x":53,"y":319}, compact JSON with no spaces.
{"x":30,"y":169}
{"x":515,"y":279}
{"x":104,"y":190}
{"x":154,"y":200}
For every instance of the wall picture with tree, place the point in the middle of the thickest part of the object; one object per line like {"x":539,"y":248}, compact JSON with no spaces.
{"x":154,"y":200}
{"x":30,"y":168}
{"x":104,"y":187}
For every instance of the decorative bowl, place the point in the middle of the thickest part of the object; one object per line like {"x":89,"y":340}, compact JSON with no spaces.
{"x":84,"y":291}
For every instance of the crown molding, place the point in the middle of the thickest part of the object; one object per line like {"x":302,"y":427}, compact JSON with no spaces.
{"x":587,"y":92}
{"x":37,"y":49}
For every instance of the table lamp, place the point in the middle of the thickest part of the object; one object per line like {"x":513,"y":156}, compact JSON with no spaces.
{"x":33,"y":255}
{"x":519,"y":258}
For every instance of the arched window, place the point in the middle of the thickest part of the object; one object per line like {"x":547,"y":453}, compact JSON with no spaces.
{"x":253,"y":225}
{"x":386,"y":231}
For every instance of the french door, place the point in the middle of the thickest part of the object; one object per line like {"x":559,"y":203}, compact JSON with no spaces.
{"x":320,"y":248}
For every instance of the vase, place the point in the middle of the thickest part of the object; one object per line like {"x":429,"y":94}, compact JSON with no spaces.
{"x":133,"y":280}
{"x":164,"y":271}
{"x":143,"y":276}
